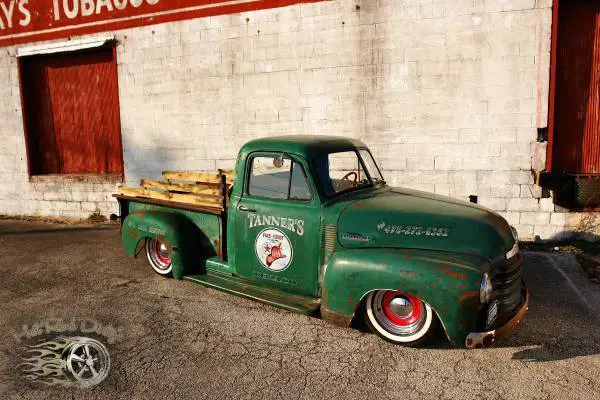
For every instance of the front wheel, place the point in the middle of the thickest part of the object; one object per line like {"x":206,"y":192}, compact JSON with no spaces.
{"x":159,"y":256}
{"x":398,"y":317}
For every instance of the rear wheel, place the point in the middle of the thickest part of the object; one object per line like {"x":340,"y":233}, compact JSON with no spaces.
{"x":398,"y":317}
{"x":159,"y":256}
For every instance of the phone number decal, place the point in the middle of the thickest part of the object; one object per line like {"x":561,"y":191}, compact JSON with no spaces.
{"x":411,"y":230}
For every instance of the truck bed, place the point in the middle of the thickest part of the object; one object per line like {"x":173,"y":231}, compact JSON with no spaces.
{"x":195,"y":191}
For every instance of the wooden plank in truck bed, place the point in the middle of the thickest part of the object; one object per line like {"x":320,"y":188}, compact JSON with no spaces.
{"x":172,"y":204}
{"x":202,"y":177}
{"x":205,"y":189}
{"x":199,"y":200}
{"x":196,"y":188}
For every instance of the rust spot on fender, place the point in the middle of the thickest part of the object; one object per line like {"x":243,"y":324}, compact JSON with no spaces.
{"x":469,"y":295}
{"x":133,"y":233}
{"x":335,"y":318}
{"x":217,"y":246}
{"x":455,"y":274}
{"x":360,"y":204}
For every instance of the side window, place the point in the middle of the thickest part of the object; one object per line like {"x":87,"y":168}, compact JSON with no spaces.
{"x":278,"y":178}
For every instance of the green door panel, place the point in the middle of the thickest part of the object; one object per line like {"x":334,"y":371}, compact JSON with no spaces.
{"x":284,"y":230}
{"x":448,"y":282}
{"x":276,"y":237}
{"x":193,"y":236}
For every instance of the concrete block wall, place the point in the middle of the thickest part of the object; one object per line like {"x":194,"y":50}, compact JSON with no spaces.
{"x":447,"y":93}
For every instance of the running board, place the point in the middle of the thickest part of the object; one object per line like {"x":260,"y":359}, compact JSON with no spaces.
{"x":250,"y":290}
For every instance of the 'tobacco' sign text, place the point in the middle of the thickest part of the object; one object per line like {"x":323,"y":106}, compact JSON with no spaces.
{"x":24,"y":21}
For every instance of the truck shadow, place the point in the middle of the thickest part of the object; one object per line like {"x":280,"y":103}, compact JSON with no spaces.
{"x":57,"y":230}
{"x":563,"y":320}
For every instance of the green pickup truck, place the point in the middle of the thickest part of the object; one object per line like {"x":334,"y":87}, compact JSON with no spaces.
{"x":310,"y":225}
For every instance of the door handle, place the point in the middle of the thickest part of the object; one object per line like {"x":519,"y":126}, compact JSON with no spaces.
{"x":243,"y":208}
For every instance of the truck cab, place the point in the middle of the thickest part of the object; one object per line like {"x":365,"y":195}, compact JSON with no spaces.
{"x":310,"y":224}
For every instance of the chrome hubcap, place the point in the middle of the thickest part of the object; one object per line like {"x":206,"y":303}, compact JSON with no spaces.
{"x":399,"y":313}
{"x":401,"y":307}
{"x":159,"y":254}
{"x":164,"y":251}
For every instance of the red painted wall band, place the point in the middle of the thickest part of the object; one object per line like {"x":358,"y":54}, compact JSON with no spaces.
{"x":43,"y":25}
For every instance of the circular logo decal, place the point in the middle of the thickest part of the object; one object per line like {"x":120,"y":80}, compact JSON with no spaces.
{"x":273,"y":249}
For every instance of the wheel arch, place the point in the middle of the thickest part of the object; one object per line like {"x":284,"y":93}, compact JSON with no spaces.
{"x":361,"y":309}
{"x":173,"y":229}
{"x":446,"y":285}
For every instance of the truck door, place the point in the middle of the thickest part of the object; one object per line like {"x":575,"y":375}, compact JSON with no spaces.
{"x":277,"y":227}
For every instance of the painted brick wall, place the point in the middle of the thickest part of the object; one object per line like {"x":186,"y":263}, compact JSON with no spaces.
{"x":448,"y":93}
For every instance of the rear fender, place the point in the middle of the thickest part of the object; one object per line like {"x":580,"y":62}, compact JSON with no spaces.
{"x":175,"y":230}
{"x":449,"y":283}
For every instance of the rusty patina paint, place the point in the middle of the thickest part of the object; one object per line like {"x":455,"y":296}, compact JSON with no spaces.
{"x":408,"y":274}
{"x":336,"y":318}
{"x":473,"y":294}
{"x":133,"y":233}
{"x":455,"y":274}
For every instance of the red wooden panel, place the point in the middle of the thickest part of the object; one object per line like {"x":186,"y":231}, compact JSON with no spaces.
{"x":72,"y":113}
{"x":39,"y":121}
{"x":576,"y":137}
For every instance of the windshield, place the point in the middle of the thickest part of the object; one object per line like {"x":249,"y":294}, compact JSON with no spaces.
{"x":345,"y":171}
{"x":371,"y":165}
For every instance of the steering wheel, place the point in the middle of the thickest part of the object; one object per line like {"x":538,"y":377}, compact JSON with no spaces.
{"x":347,"y":177}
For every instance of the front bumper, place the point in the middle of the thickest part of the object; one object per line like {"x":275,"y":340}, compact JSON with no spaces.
{"x":488,"y":338}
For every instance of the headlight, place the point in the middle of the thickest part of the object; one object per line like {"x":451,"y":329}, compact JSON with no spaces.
{"x":485,"y":292}
{"x":515,"y":249}
{"x":512,"y":252}
{"x":514,"y":233}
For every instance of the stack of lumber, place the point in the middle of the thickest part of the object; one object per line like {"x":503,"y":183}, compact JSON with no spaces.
{"x":208,"y":189}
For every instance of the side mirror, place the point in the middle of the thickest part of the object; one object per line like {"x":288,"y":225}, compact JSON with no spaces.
{"x":114,"y":217}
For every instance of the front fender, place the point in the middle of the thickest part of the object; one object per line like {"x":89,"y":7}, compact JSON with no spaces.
{"x":174,"y":230}
{"x":448,"y":282}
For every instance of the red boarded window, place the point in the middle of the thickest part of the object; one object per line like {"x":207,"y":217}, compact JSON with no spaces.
{"x":71,"y":113}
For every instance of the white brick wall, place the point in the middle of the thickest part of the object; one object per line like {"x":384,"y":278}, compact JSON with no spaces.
{"x":447,"y":93}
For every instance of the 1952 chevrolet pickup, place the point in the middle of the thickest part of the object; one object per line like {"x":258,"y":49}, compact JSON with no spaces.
{"x":310,"y":225}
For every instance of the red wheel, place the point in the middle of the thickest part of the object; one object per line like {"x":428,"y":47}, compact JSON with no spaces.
{"x":159,"y":256}
{"x":398,"y":317}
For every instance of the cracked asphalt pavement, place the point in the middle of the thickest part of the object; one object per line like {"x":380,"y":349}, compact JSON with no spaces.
{"x":178,"y":340}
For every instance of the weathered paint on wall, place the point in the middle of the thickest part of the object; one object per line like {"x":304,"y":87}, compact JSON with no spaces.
{"x":24,"y":21}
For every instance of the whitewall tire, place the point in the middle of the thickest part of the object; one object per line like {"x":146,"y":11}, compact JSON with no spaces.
{"x":159,"y":256}
{"x":398,"y":317}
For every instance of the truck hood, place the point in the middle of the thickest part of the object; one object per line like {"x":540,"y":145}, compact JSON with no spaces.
{"x":403,"y":218}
